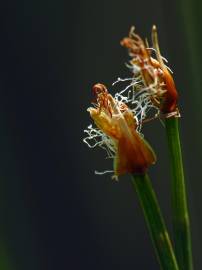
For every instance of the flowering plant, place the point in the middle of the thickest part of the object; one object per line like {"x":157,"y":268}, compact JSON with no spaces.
{"x":119,"y":121}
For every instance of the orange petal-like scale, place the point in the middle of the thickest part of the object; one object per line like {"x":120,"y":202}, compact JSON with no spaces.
{"x":133,"y":157}
{"x":169,"y":103}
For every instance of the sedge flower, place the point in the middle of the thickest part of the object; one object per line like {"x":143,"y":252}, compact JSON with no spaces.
{"x":155,"y":76}
{"x":116,"y":132}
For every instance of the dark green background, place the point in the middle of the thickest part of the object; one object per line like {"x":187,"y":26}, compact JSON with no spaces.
{"x":55,"y":213}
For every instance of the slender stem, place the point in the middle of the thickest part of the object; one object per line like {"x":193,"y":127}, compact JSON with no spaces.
{"x":155,"y":222}
{"x":180,"y":215}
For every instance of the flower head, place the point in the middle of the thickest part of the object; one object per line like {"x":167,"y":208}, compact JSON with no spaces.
{"x":116,"y":132}
{"x":156,"y":76}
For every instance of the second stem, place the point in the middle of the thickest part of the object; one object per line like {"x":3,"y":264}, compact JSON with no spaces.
{"x":180,"y":215}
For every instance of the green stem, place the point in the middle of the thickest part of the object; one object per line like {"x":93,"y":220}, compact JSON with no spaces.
{"x":180,"y":215}
{"x":155,"y":222}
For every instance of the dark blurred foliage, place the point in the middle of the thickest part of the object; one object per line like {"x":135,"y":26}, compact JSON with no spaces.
{"x":56,"y":214}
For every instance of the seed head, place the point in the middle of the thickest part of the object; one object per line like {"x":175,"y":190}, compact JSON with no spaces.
{"x":156,"y":76}
{"x":116,"y":132}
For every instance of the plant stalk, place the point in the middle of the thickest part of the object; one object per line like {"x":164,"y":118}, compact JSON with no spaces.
{"x":155,"y":222}
{"x":180,"y":215}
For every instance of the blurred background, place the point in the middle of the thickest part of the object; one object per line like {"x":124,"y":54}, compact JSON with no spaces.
{"x":55,"y":213}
